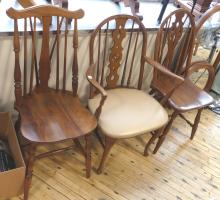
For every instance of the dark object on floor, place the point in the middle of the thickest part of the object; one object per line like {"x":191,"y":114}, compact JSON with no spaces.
{"x":215,"y":107}
{"x":6,"y":161}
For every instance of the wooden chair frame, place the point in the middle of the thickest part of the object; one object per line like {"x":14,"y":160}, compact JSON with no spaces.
{"x":185,"y":72}
{"x":42,"y":73}
{"x":96,"y":79}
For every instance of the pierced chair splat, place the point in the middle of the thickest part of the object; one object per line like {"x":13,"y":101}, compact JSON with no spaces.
{"x":173,"y":50}
{"x":117,"y":68}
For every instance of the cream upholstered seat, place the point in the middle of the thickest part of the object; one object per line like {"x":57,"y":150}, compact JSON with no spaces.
{"x":128,"y":112}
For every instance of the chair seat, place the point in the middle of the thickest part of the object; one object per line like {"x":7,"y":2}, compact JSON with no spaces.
{"x":128,"y":112}
{"x":188,"y":96}
{"x":54,"y":116}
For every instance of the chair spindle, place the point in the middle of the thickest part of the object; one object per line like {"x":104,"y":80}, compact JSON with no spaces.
{"x":25,"y":58}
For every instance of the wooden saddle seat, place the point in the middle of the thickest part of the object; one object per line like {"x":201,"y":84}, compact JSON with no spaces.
{"x":54,"y":116}
{"x":48,"y":115}
{"x":188,"y":97}
{"x":126,"y":113}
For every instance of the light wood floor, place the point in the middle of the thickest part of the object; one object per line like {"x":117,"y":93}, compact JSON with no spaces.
{"x":181,"y":170}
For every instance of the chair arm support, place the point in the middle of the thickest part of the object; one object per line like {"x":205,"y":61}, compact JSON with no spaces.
{"x":100,"y":89}
{"x":166,"y":82}
{"x":195,"y":66}
{"x":162,"y":69}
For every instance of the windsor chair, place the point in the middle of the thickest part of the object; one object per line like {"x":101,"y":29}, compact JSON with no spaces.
{"x":116,"y":74}
{"x":49,"y":107}
{"x":173,"y":50}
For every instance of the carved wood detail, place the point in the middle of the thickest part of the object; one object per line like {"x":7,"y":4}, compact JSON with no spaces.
{"x":176,"y":33}
{"x":116,"y":53}
{"x":75,"y":60}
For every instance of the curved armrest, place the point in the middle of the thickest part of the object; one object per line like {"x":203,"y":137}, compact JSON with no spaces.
{"x":194,"y":67}
{"x":165,"y":81}
{"x":101,"y":90}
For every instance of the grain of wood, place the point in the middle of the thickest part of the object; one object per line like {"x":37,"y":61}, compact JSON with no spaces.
{"x":181,"y":170}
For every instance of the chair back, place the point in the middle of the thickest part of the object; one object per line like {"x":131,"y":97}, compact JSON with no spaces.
{"x":42,"y":42}
{"x":174,"y":41}
{"x":117,"y":48}
{"x":207,"y":28}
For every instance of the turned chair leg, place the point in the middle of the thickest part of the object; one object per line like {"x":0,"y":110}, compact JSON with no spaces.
{"x":196,"y":123}
{"x":29,"y":170}
{"x":152,"y":139}
{"x":88,"y":155}
{"x":109,"y":142}
{"x":99,"y":137}
{"x":164,"y":134}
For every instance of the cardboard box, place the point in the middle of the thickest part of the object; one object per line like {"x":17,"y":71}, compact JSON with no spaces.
{"x":11,"y":181}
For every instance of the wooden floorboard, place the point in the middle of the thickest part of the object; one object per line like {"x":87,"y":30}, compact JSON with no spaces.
{"x":181,"y":170}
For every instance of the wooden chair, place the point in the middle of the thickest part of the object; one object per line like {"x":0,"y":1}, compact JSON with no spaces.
{"x":48,"y":112}
{"x":117,"y":68}
{"x":173,"y":50}
{"x":212,"y":12}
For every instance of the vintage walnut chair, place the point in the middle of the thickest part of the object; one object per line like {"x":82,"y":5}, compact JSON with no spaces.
{"x":48,"y":114}
{"x":117,"y":67}
{"x":173,"y":50}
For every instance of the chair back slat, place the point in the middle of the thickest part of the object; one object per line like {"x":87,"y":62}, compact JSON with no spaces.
{"x":128,"y":50}
{"x":55,"y":41}
{"x":132,"y":61}
{"x":65,"y":54}
{"x":98,"y":57}
{"x":49,"y":30}
{"x":58,"y":53}
{"x":44,"y":70}
{"x":105,"y":52}
{"x":33,"y":56}
{"x":25,"y":58}
{"x":115,"y":56}
{"x":119,"y":43}
{"x":75,"y":60}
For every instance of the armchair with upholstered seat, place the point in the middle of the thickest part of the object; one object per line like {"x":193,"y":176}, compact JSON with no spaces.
{"x":117,"y":69}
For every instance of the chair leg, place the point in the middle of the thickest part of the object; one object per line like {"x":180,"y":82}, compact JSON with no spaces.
{"x":152,"y":139}
{"x":18,"y":125}
{"x":196,"y":123}
{"x":29,"y":170}
{"x":109,"y":142}
{"x":166,"y":130}
{"x":88,"y":155}
{"x":99,"y":138}
{"x":78,"y":144}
